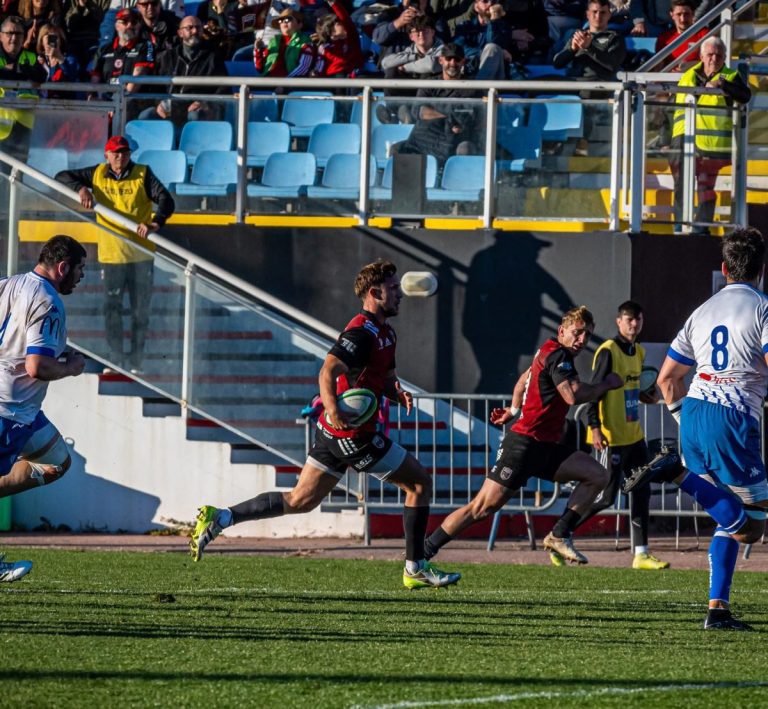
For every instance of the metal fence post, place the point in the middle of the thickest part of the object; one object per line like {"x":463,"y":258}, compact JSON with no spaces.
{"x":242,"y":153}
{"x":188,"y":352}
{"x":489,"y":178}
{"x":636,"y":177}
{"x":12,"y":263}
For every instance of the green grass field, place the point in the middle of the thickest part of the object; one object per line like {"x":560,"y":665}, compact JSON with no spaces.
{"x":134,"y":629}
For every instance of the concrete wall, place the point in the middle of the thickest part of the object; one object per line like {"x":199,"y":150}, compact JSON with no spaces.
{"x":132,"y":473}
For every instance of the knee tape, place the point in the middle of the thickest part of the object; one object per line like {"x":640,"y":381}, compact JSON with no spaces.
{"x":47,"y":455}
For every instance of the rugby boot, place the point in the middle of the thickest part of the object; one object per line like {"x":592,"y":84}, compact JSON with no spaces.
{"x":206,"y":530}
{"x":644,"y":560}
{"x":429,"y":575}
{"x":564,"y":547}
{"x":665,"y":467}
{"x":556,"y":558}
{"x":11,"y":571}
{"x":721,"y":619}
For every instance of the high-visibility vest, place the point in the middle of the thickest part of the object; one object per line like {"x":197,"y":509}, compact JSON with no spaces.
{"x":129,"y":198}
{"x":10,"y":116}
{"x":713,"y":128}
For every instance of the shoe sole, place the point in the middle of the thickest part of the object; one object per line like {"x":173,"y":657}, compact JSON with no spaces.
{"x":414,"y":585}
{"x":556,"y":558}
{"x":567,"y":558}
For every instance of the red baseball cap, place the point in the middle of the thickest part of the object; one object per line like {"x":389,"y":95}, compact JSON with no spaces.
{"x":117,"y":144}
{"x":127,"y":13}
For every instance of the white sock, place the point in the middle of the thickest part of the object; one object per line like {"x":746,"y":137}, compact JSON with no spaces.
{"x":413,"y":566}
{"x":641,"y":550}
{"x":224,"y":518}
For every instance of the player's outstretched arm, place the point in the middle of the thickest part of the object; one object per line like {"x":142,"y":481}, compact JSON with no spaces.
{"x":574,"y":391}
{"x":671,"y":383}
{"x":48,"y":369}
{"x":500,"y":416}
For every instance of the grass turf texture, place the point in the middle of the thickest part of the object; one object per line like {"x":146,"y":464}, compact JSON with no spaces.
{"x":131,"y":629}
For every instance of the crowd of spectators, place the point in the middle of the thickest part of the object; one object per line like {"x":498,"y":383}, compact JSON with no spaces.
{"x":99,"y":40}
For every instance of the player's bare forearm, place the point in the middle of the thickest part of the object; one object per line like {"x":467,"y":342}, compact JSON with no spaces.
{"x":519,"y":391}
{"x":577,"y":392}
{"x":49,"y":369}
{"x":331,"y":370}
{"x":671,"y":380}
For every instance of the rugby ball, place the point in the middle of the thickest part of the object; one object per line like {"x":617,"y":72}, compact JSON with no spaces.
{"x":360,"y":403}
{"x":648,"y":379}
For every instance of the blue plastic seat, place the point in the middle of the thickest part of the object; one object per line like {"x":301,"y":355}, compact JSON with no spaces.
{"x":303,"y":114}
{"x":356,"y":116}
{"x":523,"y":143}
{"x":86,"y":158}
{"x":241,"y":67}
{"x":462,"y":180}
{"x":49,"y":161}
{"x":262,"y":106}
{"x":330,"y":138}
{"x":341,"y":178}
{"x":387,"y":133}
{"x":558,"y":120}
{"x":640,"y":44}
{"x":384,"y":191}
{"x":285,"y":175}
{"x":266,"y":138}
{"x":197,"y":136}
{"x":214,"y":175}
{"x":149,"y":135}
{"x":169,"y":166}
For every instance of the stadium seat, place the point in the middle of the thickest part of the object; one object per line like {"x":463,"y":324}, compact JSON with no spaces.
{"x":197,"y":136}
{"x":356,"y":116}
{"x":285,"y":175}
{"x":149,"y":135}
{"x":385,"y":135}
{"x":169,"y":166}
{"x":241,"y":68}
{"x":213,"y":175}
{"x":330,"y":138}
{"x":49,"y":161}
{"x":341,"y":178}
{"x":265,"y":138}
{"x":304,"y":114}
{"x":462,"y":180}
{"x":522,"y":143}
{"x":244,"y":54}
{"x":262,"y":106}
{"x":384,"y":191}
{"x":559,"y":120}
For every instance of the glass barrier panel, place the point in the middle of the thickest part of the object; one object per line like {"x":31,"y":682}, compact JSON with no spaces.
{"x":252,"y":370}
{"x":5,"y":194}
{"x":662,"y":160}
{"x":429,"y":155}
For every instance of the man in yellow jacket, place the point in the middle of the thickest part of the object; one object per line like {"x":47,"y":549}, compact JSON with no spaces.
{"x":714,"y":128}
{"x":130,"y":190}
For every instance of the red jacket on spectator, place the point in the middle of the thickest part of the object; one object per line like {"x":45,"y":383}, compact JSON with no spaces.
{"x":338,"y":57}
{"x":671,"y":35}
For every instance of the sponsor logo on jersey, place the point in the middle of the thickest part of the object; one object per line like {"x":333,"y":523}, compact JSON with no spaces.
{"x":348,"y":345}
{"x":52,"y":322}
{"x":714,"y":379}
{"x":364,"y":462}
{"x":506,"y":473}
{"x":368,"y":325}
{"x":755,"y":472}
{"x":565,"y":366}
{"x":378,"y":442}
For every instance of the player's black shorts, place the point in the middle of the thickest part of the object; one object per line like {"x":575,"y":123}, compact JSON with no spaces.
{"x":521,"y":457}
{"x":371,"y":453}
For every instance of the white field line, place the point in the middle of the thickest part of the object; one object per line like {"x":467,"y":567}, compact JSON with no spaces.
{"x":575,"y":694}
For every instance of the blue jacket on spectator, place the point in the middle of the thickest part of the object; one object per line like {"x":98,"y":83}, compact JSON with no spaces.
{"x":473,"y":37}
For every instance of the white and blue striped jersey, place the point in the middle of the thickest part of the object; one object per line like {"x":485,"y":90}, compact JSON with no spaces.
{"x":32,"y":321}
{"x":726,"y":338}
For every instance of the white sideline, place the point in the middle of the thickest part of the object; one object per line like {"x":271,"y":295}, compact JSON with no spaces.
{"x":575,"y":694}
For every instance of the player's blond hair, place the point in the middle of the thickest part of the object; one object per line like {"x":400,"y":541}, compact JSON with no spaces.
{"x":374,"y":274}
{"x":580,"y":314}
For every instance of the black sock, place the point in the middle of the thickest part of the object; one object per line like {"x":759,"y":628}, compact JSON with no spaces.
{"x":566,"y":524}
{"x":435,"y":542}
{"x":415,"y":527}
{"x":264,"y":506}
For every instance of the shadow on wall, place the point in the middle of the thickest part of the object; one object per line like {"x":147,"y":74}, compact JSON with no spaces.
{"x":504,"y":310}
{"x":85,"y":503}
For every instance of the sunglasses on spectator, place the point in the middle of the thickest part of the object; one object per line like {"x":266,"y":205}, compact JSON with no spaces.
{"x":191,"y":27}
{"x":286,"y":20}
{"x":13,"y":33}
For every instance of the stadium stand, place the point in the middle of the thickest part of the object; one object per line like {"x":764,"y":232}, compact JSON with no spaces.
{"x":341,"y":178}
{"x":214,"y":174}
{"x":330,"y":138}
{"x":285,"y":175}
{"x":197,"y":136}
{"x":265,"y":138}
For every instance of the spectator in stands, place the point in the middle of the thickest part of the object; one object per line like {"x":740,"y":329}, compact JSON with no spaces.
{"x":16,"y":64}
{"x":531,"y":15}
{"x":157,"y":25}
{"x":338,"y":49}
{"x":656,"y":14}
{"x":217,"y":17}
{"x":82,"y":21}
{"x":130,"y":190}
{"x":290,"y":53}
{"x":189,"y":58}
{"x":446,"y":129}
{"x":51,"y":45}
{"x":714,"y":128}
{"x":391,"y":34}
{"x":593,"y":54}
{"x":492,"y":46}
{"x":310,"y":10}
{"x":563,"y":17}
{"x":682,"y":14}
{"x":126,"y":55}
{"x":37,"y":13}
{"x":419,"y":59}
{"x":627,"y":18}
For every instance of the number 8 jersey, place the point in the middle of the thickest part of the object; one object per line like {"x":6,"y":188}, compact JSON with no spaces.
{"x":726,"y":338}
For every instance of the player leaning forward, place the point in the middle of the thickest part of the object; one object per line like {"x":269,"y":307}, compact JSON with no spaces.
{"x":726,"y":340}
{"x":33,"y":337}
{"x":532,"y":445}
{"x":363,"y":356}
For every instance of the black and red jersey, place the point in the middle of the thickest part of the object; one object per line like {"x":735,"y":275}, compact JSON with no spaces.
{"x":367,"y":347}
{"x":544,"y":410}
